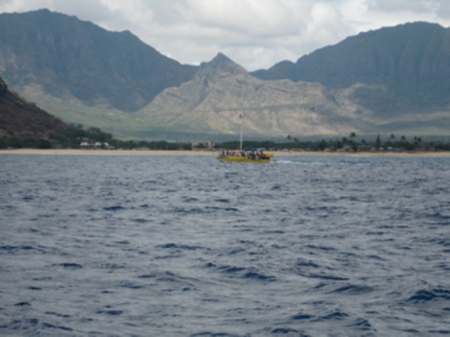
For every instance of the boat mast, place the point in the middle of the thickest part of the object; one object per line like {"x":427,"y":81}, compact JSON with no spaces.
{"x":240,"y":140}
{"x":241,"y":116}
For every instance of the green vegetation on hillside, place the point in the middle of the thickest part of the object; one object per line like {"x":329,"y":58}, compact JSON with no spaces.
{"x":68,"y":138}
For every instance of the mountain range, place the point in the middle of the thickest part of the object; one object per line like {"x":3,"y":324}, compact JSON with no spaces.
{"x":407,"y":65}
{"x":391,"y":80}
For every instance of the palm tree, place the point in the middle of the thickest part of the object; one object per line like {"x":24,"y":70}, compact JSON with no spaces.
{"x":378,"y":142}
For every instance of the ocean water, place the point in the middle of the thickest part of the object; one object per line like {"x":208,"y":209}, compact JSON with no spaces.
{"x":188,"y":246}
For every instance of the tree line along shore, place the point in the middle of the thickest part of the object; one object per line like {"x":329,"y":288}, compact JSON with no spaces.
{"x":76,"y":137}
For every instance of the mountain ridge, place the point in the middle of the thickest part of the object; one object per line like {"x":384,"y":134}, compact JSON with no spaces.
{"x":69,"y":57}
{"x":388,"y":80}
{"x":409,"y":63}
{"x":222,"y":91}
{"x":405,"y":41}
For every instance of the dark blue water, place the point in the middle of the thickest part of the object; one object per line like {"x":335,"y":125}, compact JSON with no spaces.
{"x":188,"y":246}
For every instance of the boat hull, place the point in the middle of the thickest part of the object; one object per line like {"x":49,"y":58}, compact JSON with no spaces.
{"x":236,"y":159}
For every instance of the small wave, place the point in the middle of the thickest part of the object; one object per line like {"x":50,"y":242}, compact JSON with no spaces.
{"x":140,"y":220}
{"x":441,"y":241}
{"x":189,"y":199}
{"x":110,"y":266}
{"x":213,"y":334}
{"x":35,"y":288}
{"x":186,"y":211}
{"x":226,"y":201}
{"x":440,"y":332}
{"x":361,"y":324}
{"x":324,"y":248}
{"x":230,"y":269}
{"x":203,"y":210}
{"x":226,"y":209}
{"x":323,"y":276}
{"x":113,"y":208}
{"x":274,"y":232}
{"x":424,"y":295}
{"x":110,"y":312}
{"x":443,"y":266}
{"x":285,"y":331}
{"x":241,"y":272}
{"x":146,"y":276}
{"x":231,"y":209}
{"x":23,"y":304}
{"x":57,"y":327}
{"x":440,"y":216}
{"x":52,"y":313}
{"x":131,"y":285}
{"x":123,"y":242}
{"x":257,"y":276}
{"x":302,"y":317}
{"x":170,"y":277}
{"x":335,"y":315}
{"x":353,"y":289}
{"x":310,"y":269}
{"x":70,"y":265}
{"x":14,"y":249}
{"x":180,"y":247}
{"x":310,"y":264}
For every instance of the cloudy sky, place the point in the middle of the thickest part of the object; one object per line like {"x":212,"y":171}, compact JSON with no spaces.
{"x":254,"y":33}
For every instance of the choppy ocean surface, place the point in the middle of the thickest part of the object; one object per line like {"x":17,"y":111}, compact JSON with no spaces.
{"x":188,"y":246}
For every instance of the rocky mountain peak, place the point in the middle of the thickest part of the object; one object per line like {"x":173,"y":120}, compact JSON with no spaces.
{"x":221,"y":64}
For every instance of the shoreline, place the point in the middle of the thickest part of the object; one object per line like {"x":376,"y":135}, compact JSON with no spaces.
{"x":84,"y":152}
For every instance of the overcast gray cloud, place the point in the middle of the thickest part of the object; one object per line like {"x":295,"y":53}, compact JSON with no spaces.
{"x":254,"y":33}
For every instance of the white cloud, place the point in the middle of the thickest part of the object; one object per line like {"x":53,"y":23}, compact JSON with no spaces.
{"x":254,"y":33}
{"x":92,"y":10}
{"x":21,"y":5}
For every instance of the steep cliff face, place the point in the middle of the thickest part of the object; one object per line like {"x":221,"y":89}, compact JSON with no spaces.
{"x":409,"y":52}
{"x":410,"y":64}
{"x":68,"y":57}
{"x":3,"y":87}
{"x":23,"y":119}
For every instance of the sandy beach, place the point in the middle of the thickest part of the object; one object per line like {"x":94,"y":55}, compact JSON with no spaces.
{"x":84,"y":152}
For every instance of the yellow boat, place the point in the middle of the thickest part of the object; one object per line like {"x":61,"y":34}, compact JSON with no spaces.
{"x":246,"y":156}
